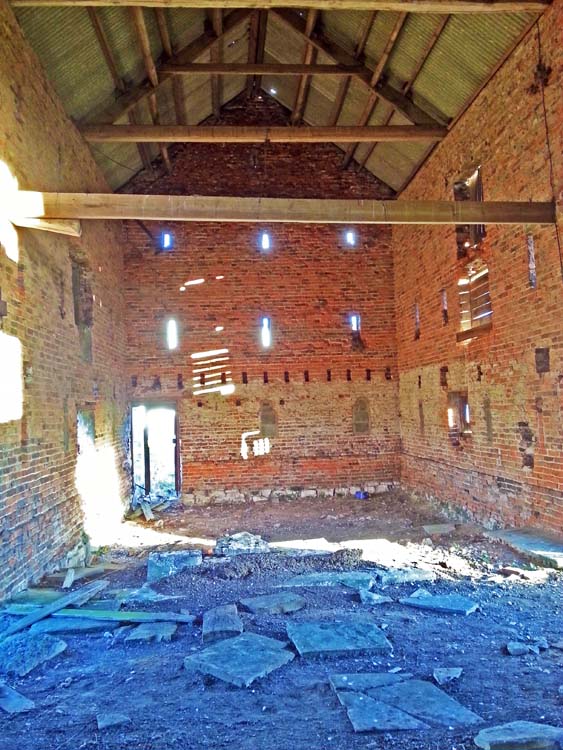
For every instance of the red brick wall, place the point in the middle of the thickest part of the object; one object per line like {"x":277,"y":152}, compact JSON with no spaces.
{"x":504,"y":132}
{"x":308,"y":284}
{"x":41,"y":514}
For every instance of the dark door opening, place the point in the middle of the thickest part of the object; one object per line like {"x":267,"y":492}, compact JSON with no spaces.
{"x":155,"y":449}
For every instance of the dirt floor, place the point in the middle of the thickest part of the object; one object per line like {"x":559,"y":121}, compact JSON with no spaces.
{"x":295,"y":707}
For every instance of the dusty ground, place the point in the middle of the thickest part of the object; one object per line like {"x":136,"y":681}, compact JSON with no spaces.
{"x":295,"y":707}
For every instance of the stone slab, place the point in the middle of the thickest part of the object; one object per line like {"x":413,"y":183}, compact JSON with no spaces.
{"x":241,"y":660}
{"x":448,"y":603}
{"x":23,"y":652}
{"x":153,"y":631}
{"x":274,"y":604}
{"x":439,"y":528}
{"x":537,"y":546}
{"x":36,"y":596}
{"x":221,"y":622}
{"x":355,"y":580}
{"x":443,"y":675}
{"x":361,"y":681}
{"x":13,"y":702}
{"x":164,"y":564}
{"x":520,"y":735}
{"x":108,"y":719}
{"x":369,"y":597}
{"x":72,"y":625}
{"x":369,"y":715}
{"x":426,"y":702}
{"x":341,"y":634}
{"x":394,"y":576}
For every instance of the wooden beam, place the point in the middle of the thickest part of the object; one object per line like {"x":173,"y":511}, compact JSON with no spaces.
{"x":260,"y":46}
{"x":29,"y":204}
{"x":177,"y":85}
{"x":386,"y":93}
{"x":145,"y":45}
{"x":105,"y":48}
{"x":216,"y":54}
{"x":400,"y":6}
{"x":191,"y":52}
{"x":72,"y":228}
{"x":279,"y":69}
{"x":309,"y":57}
{"x":361,"y":42}
{"x":258,"y":134}
{"x":374,"y":82}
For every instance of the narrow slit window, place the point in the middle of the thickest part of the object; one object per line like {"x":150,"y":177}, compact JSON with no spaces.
{"x":416,"y":321}
{"x":459,"y":413}
{"x":355,"y":322}
{"x":444,"y":300}
{"x":532,"y":275}
{"x":350,"y":237}
{"x":265,"y":241}
{"x":266,"y":332}
{"x":172,"y":334}
{"x":166,"y":240}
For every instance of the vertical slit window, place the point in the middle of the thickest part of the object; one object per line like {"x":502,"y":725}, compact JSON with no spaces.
{"x":469,"y":235}
{"x":172,"y":334}
{"x":266,"y":332}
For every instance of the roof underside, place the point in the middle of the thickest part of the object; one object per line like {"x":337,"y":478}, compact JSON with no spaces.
{"x":467,"y":51}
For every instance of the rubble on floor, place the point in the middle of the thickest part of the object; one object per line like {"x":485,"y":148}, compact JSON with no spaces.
{"x":152,"y":631}
{"x":274,"y":604}
{"x":448,"y":603}
{"x":242,"y":543}
{"x":13,"y":702}
{"x":521,"y":735}
{"x":21,"y":653}
{"x":356,"y":580}
{"x":164,"y":564}
{"x":443,"y":675}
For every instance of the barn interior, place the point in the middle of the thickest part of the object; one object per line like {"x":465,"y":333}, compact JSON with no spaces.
{"x":281,"y":358}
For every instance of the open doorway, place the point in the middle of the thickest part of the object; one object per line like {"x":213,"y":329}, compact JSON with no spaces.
{"x":155,"y":449}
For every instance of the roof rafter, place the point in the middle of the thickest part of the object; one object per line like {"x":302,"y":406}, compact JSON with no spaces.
{"x":309,"y":58}
{"x":216,"y":54}
{"x":177,"y":84}
{"x":190,"y":53}
{"x":374,"y":82}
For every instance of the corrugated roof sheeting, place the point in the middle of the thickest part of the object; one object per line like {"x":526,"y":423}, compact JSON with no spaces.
{"x":461,"y":60}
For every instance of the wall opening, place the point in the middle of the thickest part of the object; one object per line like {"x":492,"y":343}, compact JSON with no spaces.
{"x":360,"y":417}
{"x":268,"y":421}
{"x":154,"y":448}
{"x":469,"y":235}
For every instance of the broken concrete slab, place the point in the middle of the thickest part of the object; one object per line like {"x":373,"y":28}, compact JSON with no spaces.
{"x":71,"y":625}
{"x":520,"y":735}
{"x":146,"y":594}
{"x":355,"y":580}
{"x":427,"y":702}
{"x":243,"y":543}
{"x":221,"y":622}
{"x":349,"y":633}
{"x":241,"y":660}
{"x":449,"y":603}
{"x":23,"y":652}
{"x":13,"y":702}
{"x":164,"y":564}
{"x":369,"y":597}
{"x":362,"y":681}
{"x":538,"y":546}
{"x":437,"y":529}
{"x":394,"y":576}
{"x":153,"y":631}
{"x":443,"y":675}
{"x":274,"y":604}
{"x":106,"y":719}
{"x":369,"y":715}
{"x":110,"y":615}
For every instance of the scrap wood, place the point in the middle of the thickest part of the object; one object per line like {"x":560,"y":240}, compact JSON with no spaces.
{"x":109,"y":615}
{"x":82,"y":595}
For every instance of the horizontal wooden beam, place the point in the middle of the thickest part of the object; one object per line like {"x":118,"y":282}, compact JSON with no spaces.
{"x":407,"y":6}
{"x":58,"y":226}
{"x":257,"y":134}
{"x":265,"y":69}
{"x":288,"y":210}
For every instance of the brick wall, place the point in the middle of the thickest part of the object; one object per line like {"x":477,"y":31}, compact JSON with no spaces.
{"x":308,"y":284}
{"x":516,"y":412}
{"x":41,"y":514}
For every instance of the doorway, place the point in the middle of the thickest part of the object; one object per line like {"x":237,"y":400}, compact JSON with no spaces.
{"x":154,"y":447}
